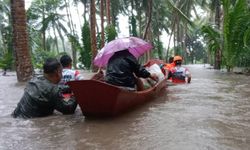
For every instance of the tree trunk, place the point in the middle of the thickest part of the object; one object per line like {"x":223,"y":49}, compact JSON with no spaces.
{"x":217,"y":62}
{"x":62,"y":38}
{"x":108,"y":12}
{"x":102,"y":24}
{"x":56,"y":40}
{"x":140,"y":22}
{"x":24,"y":67}
{"x":93,"y":33}
{"x":171,"y":34}
{"x":43,"y":31}
{"x":149,"y":19}
{"x":149,"y":14}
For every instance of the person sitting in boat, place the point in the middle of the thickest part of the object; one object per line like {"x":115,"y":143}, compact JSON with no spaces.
{"x":42,"y":94}
{"x":68,"y":74}
{"x":124,"y":70}
{"x":179,"y":73}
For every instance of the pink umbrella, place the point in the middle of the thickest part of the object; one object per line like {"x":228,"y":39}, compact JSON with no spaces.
{"x":136,"y":47}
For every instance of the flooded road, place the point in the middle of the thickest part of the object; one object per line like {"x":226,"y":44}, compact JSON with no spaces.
{"x":211,"y":113}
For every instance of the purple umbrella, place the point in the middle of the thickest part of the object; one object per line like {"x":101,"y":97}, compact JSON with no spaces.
{"x":136,"y":47}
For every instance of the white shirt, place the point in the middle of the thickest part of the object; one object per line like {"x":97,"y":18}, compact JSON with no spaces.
{"x":70,"y":75}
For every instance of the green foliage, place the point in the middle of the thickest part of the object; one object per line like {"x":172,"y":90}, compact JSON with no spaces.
{"x":99,"y":40}
{"x":6,"y":61}
{"x":133,"y":26}
{"x":6,"y":36}
{"x":116,"y":7}
{"x":180,"y":12}
{"x":73,"y":39}
{"x":246,"y":38}
{"x":178,"y":50}
{"x":39,"y":57}
{"x":197,"y":52}
{"x":158,"y":52}
{"x":213,"y":37}
{"x":236,"y":32}
{"x":110,"y":33}
{"x":42,"y":18}
{"x":85,"y":52}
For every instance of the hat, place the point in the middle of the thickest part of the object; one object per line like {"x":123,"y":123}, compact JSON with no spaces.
{"x":177,"y":58}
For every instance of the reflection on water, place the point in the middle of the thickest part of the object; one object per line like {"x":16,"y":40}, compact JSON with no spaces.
{"x":213,"y":112}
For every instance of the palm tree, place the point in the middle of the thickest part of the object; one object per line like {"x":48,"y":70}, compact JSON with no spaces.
{"x":24,"y":67}
{"x":235,"y":32}
{"x":102,"y":23}
{"x":218,"y":53}
{"x":42,"y":18}
{"x":215,"y":18}
{"x":108,"y":12}
{"x":93,"y":32}
{"x":149,"y":18}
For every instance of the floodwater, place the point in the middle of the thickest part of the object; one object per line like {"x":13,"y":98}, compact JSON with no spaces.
{"x":211,"y":113}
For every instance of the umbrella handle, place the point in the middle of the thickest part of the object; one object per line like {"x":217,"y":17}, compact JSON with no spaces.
{"x":98,"y":76}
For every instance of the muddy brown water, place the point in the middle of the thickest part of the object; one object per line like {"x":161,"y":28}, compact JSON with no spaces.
{"x":211,"y":113}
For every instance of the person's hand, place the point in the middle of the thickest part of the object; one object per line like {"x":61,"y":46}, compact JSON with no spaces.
{"x":98,"y":76}
{"x":154,"y":77}
{"x":188,"y":80}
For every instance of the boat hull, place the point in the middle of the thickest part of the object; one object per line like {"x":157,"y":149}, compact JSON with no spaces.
{"x":97,"y":98}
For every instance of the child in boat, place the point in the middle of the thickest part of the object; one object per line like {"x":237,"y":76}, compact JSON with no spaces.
{"x":123,"y":70}
{"x":68,"y":74}
{"x":180,"y":74}
{"x":42,"y":95}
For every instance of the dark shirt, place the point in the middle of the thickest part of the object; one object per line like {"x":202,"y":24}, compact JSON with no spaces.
{"x":121,"y":69}
{"x":41,"y":98}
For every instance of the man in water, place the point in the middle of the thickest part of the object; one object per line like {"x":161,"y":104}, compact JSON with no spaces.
{"x":42,"y":95}
{"x":180,"y":74}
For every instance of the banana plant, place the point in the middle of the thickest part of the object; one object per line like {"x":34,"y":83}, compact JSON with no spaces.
{"x":235,"y":32}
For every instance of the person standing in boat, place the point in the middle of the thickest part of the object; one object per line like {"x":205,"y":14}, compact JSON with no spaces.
{"x":180,"y":74}
{"x":42,"y":94}
{"x":124,"y":70}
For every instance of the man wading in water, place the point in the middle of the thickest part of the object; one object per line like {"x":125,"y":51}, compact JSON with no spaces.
{"x":42,"y":95}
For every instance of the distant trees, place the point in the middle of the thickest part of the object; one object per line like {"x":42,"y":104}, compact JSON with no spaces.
{"x":51,"y":32}
{"x":6,"y":48}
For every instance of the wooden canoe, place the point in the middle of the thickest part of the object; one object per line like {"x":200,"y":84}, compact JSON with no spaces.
{"x":99,"y":99}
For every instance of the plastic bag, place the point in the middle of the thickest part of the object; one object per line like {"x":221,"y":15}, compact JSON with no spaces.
{"x":157,"y":70}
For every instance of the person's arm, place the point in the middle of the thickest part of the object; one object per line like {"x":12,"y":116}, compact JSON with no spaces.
{"x":65,"y":89}
{"x":187,"y":76}
{"x":78,"y":76}
{"x":154,"y":77}
{"x":139,"y":70}
{"x":188,"y":79}
{"x":65,"y":107}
